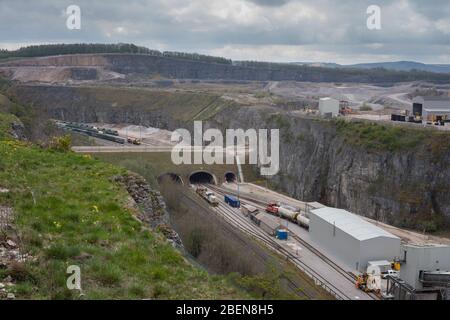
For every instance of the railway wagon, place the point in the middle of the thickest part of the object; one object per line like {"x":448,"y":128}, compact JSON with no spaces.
{"x":232,"y":201}
{"x":107,"y":137}
{"x":248,"y":210}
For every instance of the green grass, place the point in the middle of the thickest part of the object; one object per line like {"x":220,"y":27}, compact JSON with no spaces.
{"x":6,"y":120}
{"x":180,"y":105}
{"x":380,"y":137}
{"x":70,"y":212}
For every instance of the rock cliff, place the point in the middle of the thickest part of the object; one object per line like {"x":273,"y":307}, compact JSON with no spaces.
{"x":173,"y":68}
{"x":403,"y":180}
{"x":396,"y":175}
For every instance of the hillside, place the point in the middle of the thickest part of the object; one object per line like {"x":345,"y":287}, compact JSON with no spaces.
{"x":59,"y":209}
{"x":353,"y":166}
{"x":394,"y":65}
{"x":398,"y":175}
{"x":404,"y":66}
{"x":115,"y":65}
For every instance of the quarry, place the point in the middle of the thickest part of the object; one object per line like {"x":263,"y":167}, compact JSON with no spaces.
{"x":359,"y":207}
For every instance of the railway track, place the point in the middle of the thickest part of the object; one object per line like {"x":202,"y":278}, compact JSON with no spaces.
{"x":232,"y":228}
{"x":261,"y":205}
{"x":233,"y":216}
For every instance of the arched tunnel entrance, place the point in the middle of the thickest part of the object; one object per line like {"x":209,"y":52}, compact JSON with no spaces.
{"x":230,"y":177}
{"x":171,"y":177}
{"x":202,"y":177}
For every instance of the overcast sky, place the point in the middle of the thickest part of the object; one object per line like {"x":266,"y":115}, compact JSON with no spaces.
{"x":278,"y":30}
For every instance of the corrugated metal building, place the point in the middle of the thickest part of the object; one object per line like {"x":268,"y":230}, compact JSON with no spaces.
{"x":432,"y":108}
{"x":351,"y":239}
{"x":429,"y":258}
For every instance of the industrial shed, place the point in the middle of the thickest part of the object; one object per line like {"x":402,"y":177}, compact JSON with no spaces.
{"x":351,"y":239}
{"x":420,"y":261}
{"x":432,"y":108}
{"x":329,"y":107}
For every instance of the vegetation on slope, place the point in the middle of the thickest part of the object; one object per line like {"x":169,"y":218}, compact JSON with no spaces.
{"x":383,"y":137}
{"x":122,"y":104}
{"x":68,"y":211}
{"x":6,"y":120}
{"x":83,"y":48}
{"x":268,"y":70}
{"x":36,"y":126}
{"x":183,"y":106}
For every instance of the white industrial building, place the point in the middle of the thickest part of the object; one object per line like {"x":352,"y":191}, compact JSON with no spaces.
{"x":351,"y":239}
{"x":424,"y":264}
{"x":329,"y":107}
{"x":432,"y":108}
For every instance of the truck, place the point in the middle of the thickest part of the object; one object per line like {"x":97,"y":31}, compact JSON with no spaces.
{"x":232,"y":201}
{"x":134,"y":141}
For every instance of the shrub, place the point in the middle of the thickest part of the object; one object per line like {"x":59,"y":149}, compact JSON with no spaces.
{"x":365,"y":107}
{"x":19,"y":271}
{"x":61,"y":143}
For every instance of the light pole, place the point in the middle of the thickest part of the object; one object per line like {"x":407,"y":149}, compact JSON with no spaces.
{"x":238,"y":189}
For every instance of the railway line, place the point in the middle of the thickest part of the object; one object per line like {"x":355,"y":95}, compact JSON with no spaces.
{"x":261,"y":206}
{"x":233,"y":216}
{"x":269,"y":241}
{"x":231,"y":228}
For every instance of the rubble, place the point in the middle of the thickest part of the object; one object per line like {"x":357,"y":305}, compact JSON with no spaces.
{"x":11,"y":244}
{"x":10,"y":252}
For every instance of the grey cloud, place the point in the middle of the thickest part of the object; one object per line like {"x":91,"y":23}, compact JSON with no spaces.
{"x":412,"y":29}
{"x":270,"y":3}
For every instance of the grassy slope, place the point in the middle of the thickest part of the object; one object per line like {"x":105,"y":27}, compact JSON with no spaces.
{"x":183,"y":106}
{"x":387,"y":137}
{"x":5,"y":124}
{"x":69,"y":212}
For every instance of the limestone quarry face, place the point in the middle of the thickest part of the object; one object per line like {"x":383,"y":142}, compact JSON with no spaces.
{"x":316,"y":164}
{"x":59,"y":69}
{"x":173,"y":68}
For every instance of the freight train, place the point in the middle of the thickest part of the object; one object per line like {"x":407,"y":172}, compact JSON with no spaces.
{"x":207,"y":195}
{"x":102,"y":133}
{"x":289,"y":213}
{"x":86,"y":127}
